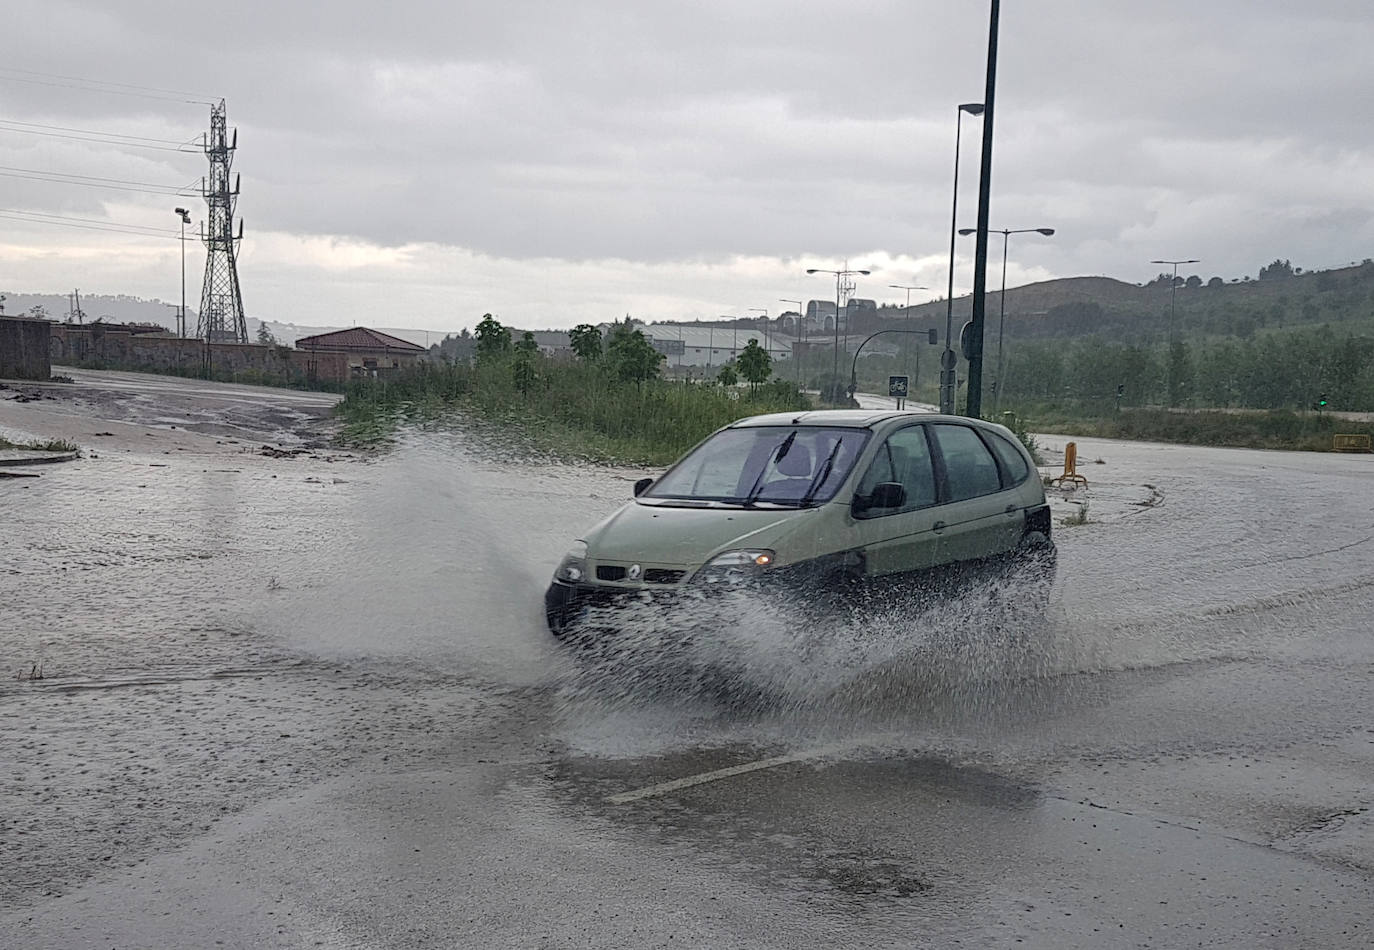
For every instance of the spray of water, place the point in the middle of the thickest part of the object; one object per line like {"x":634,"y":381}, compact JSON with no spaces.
{"x":775,"y":667}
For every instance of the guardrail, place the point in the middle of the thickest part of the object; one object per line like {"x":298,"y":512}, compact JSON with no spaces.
{"x":1351,"y":442}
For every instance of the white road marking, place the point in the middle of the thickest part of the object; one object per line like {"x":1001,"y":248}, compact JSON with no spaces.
{"x":662,"y":788}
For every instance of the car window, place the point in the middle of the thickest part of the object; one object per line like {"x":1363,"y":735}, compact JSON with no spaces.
{"x":970,"y":469}
{"x":1014,"y":465}
{"x":905,"y":459}
{"x":783,"y":465}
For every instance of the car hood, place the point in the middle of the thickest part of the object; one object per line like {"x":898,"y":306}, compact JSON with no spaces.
{"x":658,"y":534}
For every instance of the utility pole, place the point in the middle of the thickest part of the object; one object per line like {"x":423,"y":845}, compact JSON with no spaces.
{"x":974,"y":409}
{"x":181,"y":317}
{"x":221,"y":301}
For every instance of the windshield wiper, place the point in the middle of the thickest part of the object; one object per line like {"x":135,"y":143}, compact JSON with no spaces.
{"x":778,"y":456}
{"x":821,"y":475}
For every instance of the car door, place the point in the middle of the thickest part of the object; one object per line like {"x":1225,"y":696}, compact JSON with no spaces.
{"x":899,"y":540}
{"x":978,"y":518}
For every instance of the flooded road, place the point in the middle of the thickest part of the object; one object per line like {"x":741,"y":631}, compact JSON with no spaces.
{"x":310,"y":702}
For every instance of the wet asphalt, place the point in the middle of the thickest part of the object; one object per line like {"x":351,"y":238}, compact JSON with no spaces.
{"x":303,"y":702}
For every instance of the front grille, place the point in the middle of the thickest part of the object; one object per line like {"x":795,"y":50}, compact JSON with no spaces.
{"x":610,"y":572}
{"x":661,"y":575}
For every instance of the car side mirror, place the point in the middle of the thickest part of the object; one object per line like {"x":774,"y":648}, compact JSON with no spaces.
{"x":642,"y":485}
{"x":884,"y":495}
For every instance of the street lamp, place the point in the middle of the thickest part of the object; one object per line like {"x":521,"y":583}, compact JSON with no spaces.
{"x":801,"y":324}
{"x":947,"y":358}
{"x":185,"y":220}
{"x":764,"y":311}
{"x":840,"y":275}
{"x":906,"y":311}
{"x":1002,"y":298}
{"x":1169,"y":356}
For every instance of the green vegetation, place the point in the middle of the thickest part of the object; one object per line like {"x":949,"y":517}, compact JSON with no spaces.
{"x":41,"y":445}
{"x":606,"y":405}
{"x":1258,"y":429}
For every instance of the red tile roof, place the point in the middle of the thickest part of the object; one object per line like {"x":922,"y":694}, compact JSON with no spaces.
{"x":358,"y":338}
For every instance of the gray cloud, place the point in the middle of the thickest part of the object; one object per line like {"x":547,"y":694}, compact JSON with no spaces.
{"x":639,"y":136}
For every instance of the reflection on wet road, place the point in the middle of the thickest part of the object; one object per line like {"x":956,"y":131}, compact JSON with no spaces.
{"x":294,"y":702}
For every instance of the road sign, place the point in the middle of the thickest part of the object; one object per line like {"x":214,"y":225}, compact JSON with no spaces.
{"x":948,"y":359}
{"x":896,"y":386}
{"x":966,"y":341}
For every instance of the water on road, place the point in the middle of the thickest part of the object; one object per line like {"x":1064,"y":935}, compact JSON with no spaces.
{"x":296,"y":701}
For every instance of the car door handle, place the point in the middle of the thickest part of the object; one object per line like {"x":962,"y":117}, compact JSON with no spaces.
{"x":938,"y":526}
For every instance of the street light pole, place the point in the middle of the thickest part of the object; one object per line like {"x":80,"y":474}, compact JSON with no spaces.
{"x":840,"y":275}
{"x":977,"y":318}
{"x":907,"y":324}
{"x":185,"y":220}
{"x":801,"y":323}
{"x":1002,"y":298}
{"x":947,"y":358}
{"x":1169,"y":342}
{"x":764,"y":311}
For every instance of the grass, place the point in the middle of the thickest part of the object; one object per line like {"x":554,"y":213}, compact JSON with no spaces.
{"x":572,"y":409}
{"x":39,"y":445}
{"x":1256,"y":429}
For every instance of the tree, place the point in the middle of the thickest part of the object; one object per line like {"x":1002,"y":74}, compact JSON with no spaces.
{"x":586,"y":342}
{"x":755,"y":364}
{"x":493,"y":340}
{"x":1216,"y":282}
{"x":1278,"y":270}
{"x":523,"y":369}
{"x":265,"y":336}
{"x":38,"y":311}
{"x":630,"y":355}
{"x":1193,"y":282}
{"x":727,"y":375}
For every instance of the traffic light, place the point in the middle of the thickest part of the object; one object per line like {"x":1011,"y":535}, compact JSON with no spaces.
{"x":1120,"y":390}
{"x":1321,"y":402}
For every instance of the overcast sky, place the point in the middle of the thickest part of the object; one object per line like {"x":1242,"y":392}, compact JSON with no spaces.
{"x":419,"y":164}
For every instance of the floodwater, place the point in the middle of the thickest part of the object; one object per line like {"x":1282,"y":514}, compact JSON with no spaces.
{"x":199,"y":650}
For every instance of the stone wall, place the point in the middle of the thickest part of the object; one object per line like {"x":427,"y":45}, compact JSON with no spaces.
{"x":117,"y":347}
{"x":24,"y":348}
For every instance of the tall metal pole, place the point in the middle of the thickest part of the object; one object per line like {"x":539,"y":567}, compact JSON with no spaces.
{"x":1169,"y":342}
{"x":835,"y":368}
{"x":796,"y":351}
{"x":974,"y":408}
{"x":906,"y":323}
{"x":947,"y":357}
{"x":1002,"y":301}
{"x":840,"y":275}
{"x":185,"y":220}
{"x":1001,"y":325}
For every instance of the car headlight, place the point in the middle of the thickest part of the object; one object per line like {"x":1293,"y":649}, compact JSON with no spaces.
{"x":734,"y":566}
{"x":573,"y":568}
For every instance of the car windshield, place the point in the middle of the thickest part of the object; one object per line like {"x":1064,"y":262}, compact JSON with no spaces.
{"x":763,"y":465}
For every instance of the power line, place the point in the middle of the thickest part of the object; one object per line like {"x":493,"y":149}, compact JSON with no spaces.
{"x":101,"y":221}
{"x":63,"y":128}
{"x":91,"y":181}
{"x":138,"y":230}
{"x":101,"y":85}
{"x":87,"y":135}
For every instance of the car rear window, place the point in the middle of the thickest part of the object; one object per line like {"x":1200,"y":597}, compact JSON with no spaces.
{"x":970,"y":469}
{"x":1013,"y":462}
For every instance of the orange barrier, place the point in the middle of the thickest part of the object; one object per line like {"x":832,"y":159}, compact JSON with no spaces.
{"x":1070,"y":468}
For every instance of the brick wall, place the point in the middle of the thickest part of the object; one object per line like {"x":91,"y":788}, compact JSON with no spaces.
{"x":24,"y":348}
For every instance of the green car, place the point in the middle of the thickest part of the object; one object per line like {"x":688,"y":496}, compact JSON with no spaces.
{"x":820,"y":506}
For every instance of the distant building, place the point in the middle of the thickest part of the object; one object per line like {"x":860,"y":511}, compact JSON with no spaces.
{"x":691,"y":346}
{"x":357,"y":353}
